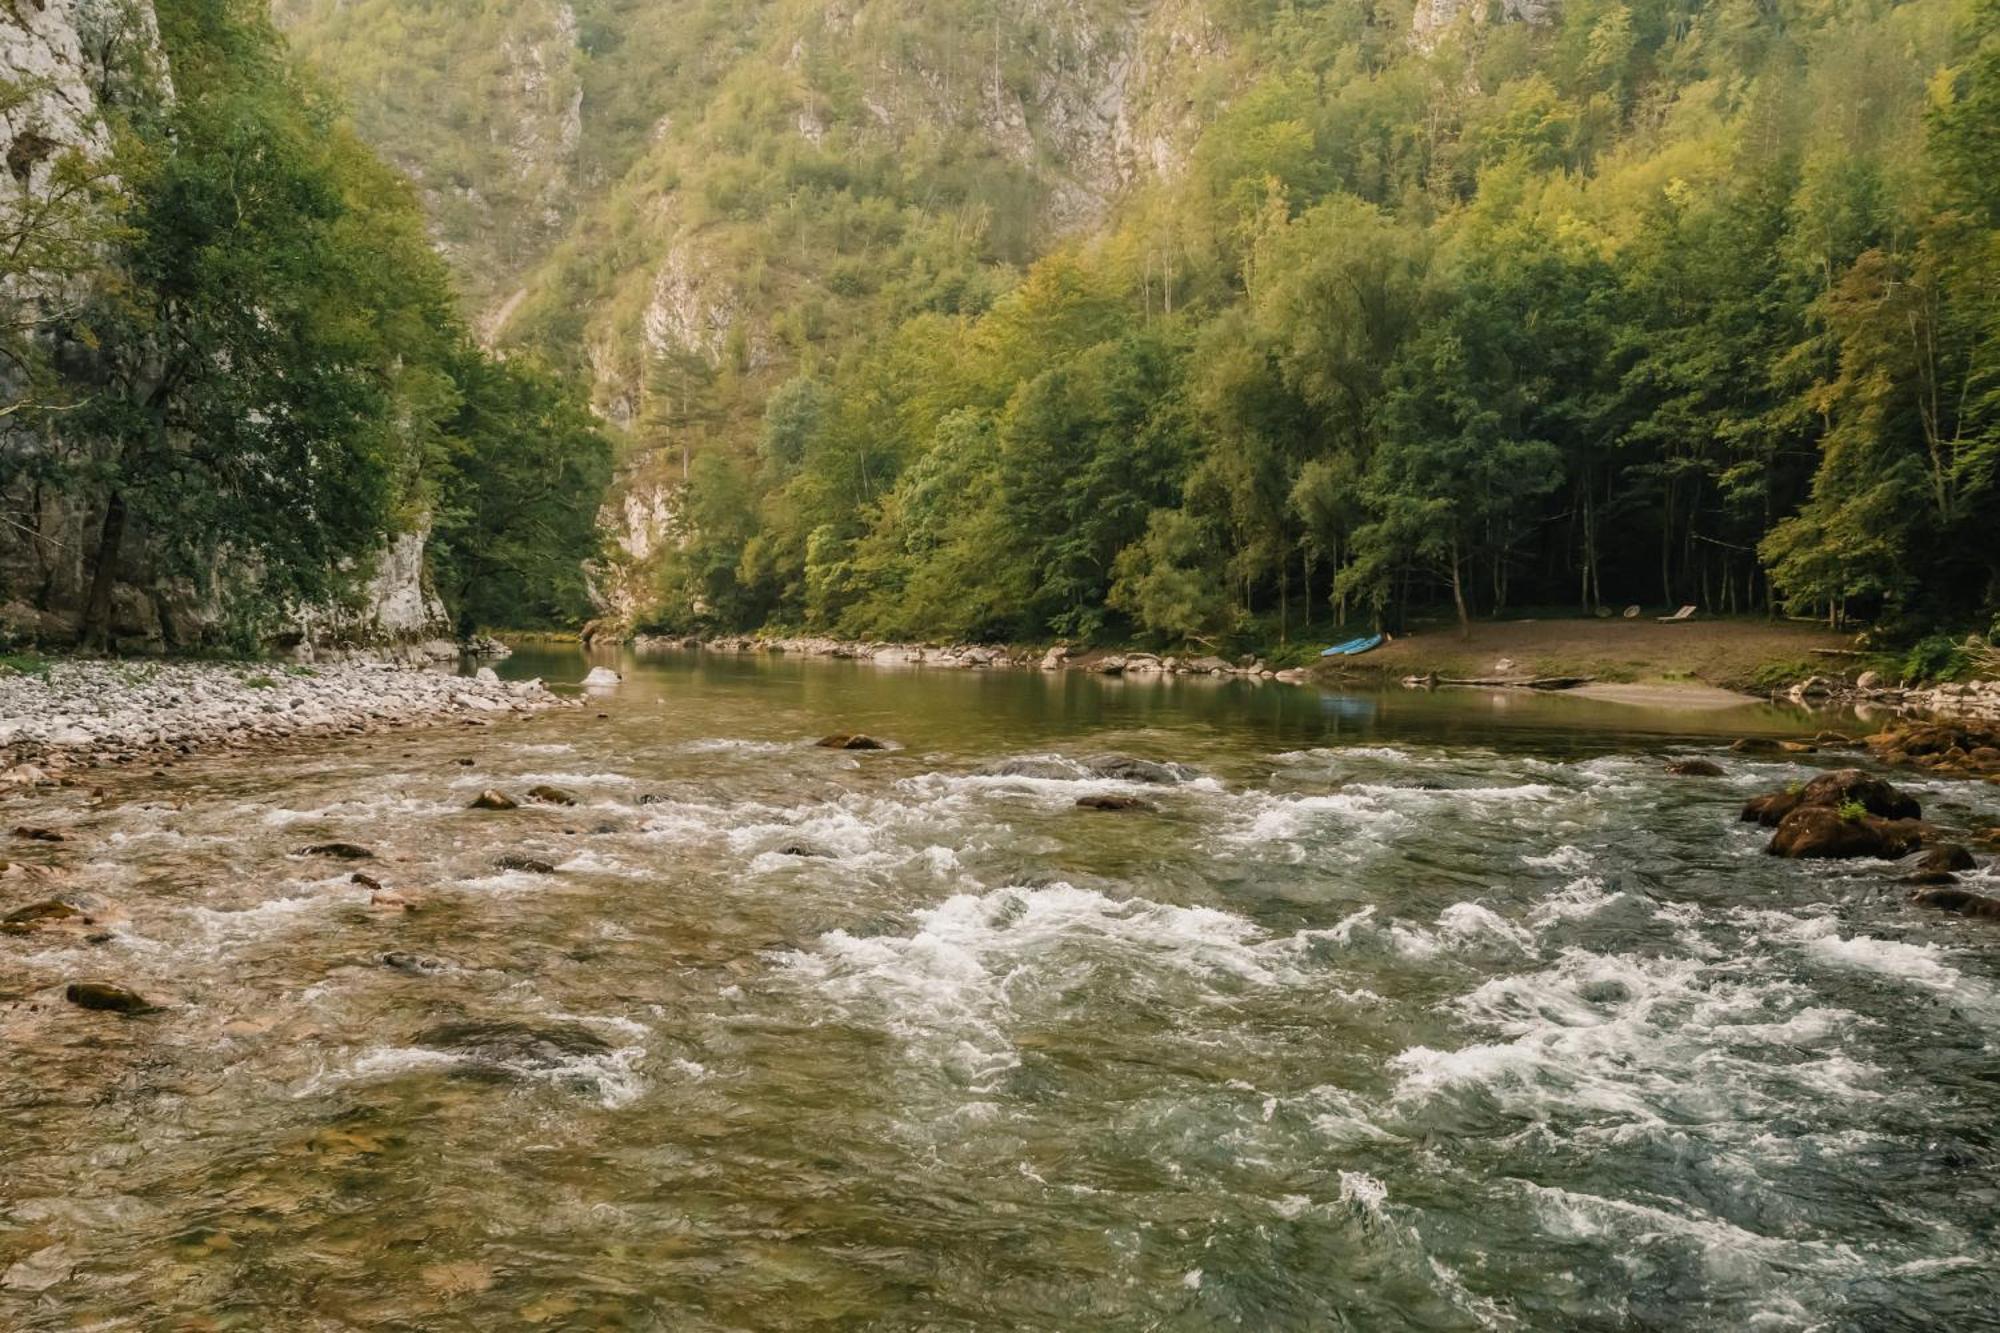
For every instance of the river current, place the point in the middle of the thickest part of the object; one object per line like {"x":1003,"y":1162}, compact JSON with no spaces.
{"x":1392,"y":1011}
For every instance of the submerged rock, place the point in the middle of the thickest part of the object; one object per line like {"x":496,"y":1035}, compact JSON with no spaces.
{"x":801,"y":849}
{"x":365,"y":881}
{"x":415,"y":963}
{"x":1695,"y":768}
{"x":1948,"y":856}
{"x":1960,"y":901}
{"x":601,"y":676}
{"x":388,"y":900}
{"x":339,"y":851}
{"x":548,"y":795}
{"x":1104,"y":802}
{"x":530,"y":864}
{"x":34,"y":834}
{"x":1757,"y":745}
{"x":1126,"y":768}
{"x":493,"y":800}
{"x":503,"y":1048}
{"x":104,"y":996}
{"x":847,"y":741}
{"x":42,"y":915}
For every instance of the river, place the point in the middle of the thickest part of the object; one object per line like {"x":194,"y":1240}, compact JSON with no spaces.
{"x":1393,"y":1011}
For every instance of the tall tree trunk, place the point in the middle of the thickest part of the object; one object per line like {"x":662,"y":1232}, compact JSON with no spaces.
{"x":1458,"y":595}
{"x":95,"y":634}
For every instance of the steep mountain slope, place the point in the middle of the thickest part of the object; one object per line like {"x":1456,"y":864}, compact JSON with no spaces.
{"x":952,"y":317}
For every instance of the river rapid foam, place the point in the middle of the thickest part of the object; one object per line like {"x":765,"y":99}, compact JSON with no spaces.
{"x":1384,"y":1031}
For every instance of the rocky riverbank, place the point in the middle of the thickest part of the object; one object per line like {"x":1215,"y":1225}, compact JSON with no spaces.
{"x":1972,"y":700}
{"x":72,"y":714}
{"x":976,"y":656}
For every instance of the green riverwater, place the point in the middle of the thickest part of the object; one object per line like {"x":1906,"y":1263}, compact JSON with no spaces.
{"x":1444,"y":1011}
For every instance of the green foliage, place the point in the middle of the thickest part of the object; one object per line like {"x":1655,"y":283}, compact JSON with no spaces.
{"x":1853,"y":811}
{"x":1937,"y":657}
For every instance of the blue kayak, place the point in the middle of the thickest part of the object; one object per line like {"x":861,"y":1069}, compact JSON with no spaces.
{"x":1353,"y":647}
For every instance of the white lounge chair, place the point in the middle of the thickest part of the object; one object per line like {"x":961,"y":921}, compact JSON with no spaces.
{"x":1685,"y":613}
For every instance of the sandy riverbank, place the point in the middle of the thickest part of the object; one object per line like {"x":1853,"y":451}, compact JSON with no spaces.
{"x":83,"y":713}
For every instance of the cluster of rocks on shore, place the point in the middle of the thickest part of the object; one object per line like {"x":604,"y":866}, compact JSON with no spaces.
{"x":962,"y":656}
{"x":86,"y":713}
{"x":1973,"y":700}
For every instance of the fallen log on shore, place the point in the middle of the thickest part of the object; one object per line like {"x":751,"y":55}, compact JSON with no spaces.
{"x":1515,"y":683}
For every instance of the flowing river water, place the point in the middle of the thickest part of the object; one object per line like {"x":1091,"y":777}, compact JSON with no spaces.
{"x":1395,"y":1011}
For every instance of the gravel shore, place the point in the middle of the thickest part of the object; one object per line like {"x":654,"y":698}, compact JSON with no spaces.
{"x":79,"y":713}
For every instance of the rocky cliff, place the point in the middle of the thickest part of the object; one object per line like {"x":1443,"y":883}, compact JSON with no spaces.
{"x":64,"y":66}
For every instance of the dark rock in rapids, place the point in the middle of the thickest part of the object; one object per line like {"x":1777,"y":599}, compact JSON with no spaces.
{"x":502,"y":1047}
{"x":1930,"y":877}
{"x":1961,"y":901}
{"x":1947,"y":856}
{"x":415,"y":963}
{"x":1845,"y":786}
{"x":1125,"y":768}
{"x":1757,"y":745}
{"x":801,"y":849}
{"x":1033,"y":766}
{"x":845,"y":741}
{"x":365,"y":881}
{"x":493,"y":800}
{"x":53,"y":912}
{"x":339,"y":851}
{"x":1695,"y":768}
{"x":467,"y":762}
{"x":107,"y":997}
{"x":33,"y":834}
{"x":532,"y":865}
{"x":548,"y":795}
{"x":1113,"y":803}
{"x":1823,"y":832}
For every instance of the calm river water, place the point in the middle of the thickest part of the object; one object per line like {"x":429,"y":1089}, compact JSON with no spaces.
{"x":1395,"y":1011}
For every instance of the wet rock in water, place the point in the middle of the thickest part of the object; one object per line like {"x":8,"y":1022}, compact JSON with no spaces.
{"x":1827,"y":832}
{"x":1798,"y":747}
{"x":601,"y":676}
{"x":466,"y":762}
{"x":339,"y":851}
{"x":1852,"y":786}
{"x":493,"y":800}
{"x":1771,"y":808}
{"x":1930,"y":877}
{"x":1695,"y":768}
{"x":1032,"y":766}
{"x":1756,"y":745}
{"x":104,"y":996}
{"x":801,"y":849}
{"x":365,"y":881}
{"x":532,"y":865}
{"x":1102,"y":802}
{"x":34,"y":834}
{"x":846,"y":741}
{"x":388,"y":900}
{"x":1961,"y":901}
{"x":548,"y":795}
{"x":42,"y":915}
{"x":1842,"y":787}
{"x":501,"y":1048}
{"x":1947,"y":856}
{"x":1125,"y":768}
{"x":415,"y":963}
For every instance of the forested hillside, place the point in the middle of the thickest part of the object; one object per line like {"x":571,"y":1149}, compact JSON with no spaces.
{"x":238,"y":400}
{"x":1212,"y":318}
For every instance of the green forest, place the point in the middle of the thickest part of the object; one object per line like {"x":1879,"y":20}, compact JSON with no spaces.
{"x":1655,"y":301}
{"x":247,"y":359}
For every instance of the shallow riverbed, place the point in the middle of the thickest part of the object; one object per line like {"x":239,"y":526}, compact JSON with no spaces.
{"x":1403,"y":1010}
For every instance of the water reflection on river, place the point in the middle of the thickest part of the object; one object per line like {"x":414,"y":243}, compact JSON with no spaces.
{"x":1441,"y":1011}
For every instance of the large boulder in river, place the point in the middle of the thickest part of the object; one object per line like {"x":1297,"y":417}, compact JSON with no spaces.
{"x":1836,"y":832}
{"x":1845,"y":786}
{"x":493,"y":800}
{"x":601,"y":677}
{"x":1948,"y":856}
{"x":548,"y":795}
